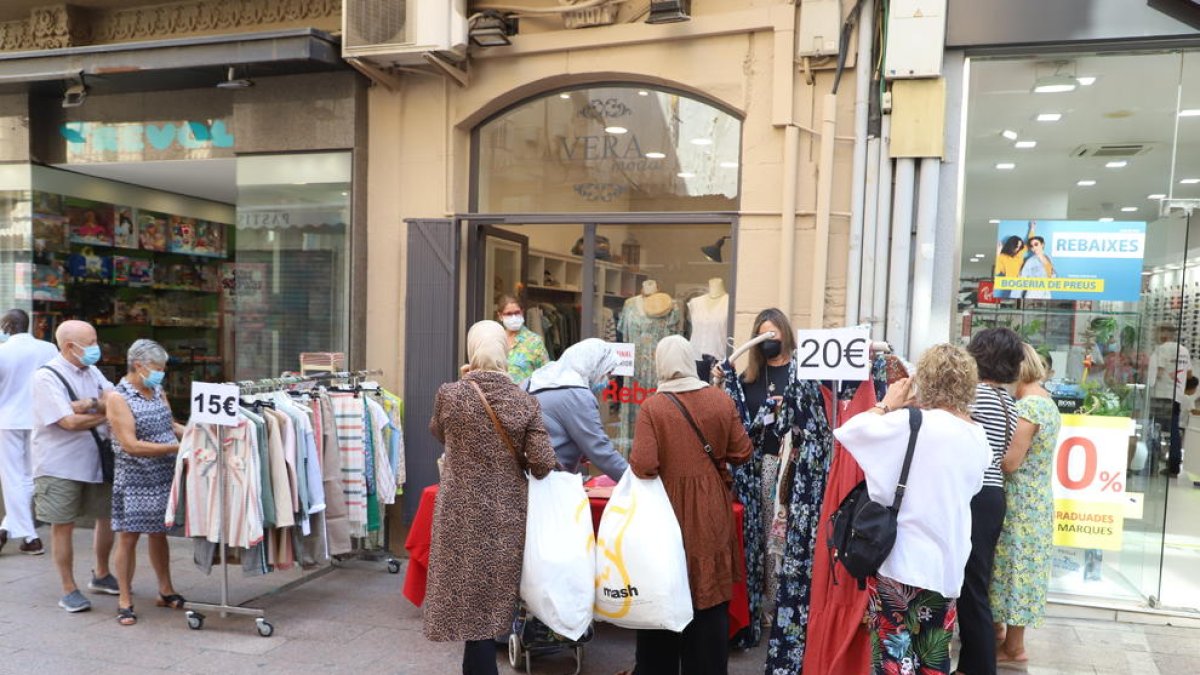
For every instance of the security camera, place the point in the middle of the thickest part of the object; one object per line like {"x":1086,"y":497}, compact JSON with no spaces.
{"x":75,"y":95}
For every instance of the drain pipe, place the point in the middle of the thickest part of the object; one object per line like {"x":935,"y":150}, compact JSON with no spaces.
{"x":787,"y":224}
{"x":922,"y":286}
{"x":900,"y":264}
{"x":870,"y":233}
{"x":824,"y":199}
{"x":883,"y":221}
{"x":859,"y":185}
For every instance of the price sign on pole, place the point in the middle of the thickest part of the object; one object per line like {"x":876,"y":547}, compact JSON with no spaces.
{"x":625,"y":355}
{"x":214,"y":404}
{"x":833,"y":354}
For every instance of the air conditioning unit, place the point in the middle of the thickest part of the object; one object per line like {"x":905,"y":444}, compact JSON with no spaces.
{"x":400,"y":32}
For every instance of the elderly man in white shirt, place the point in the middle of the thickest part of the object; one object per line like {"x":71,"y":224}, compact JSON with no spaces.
{"x":68,"y":480}
{"x":20,"y":355}
{"x":1169,"y":369}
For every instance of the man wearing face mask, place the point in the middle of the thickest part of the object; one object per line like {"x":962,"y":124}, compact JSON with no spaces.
{"x":567,"y":390}
{"x":68,"y":481}
{"x":20,"y":355}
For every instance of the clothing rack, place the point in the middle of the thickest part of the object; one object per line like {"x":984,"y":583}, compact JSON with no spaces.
{"x":195,"y":617}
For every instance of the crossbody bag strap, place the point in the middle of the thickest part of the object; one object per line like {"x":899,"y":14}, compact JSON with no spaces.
{"x":692,"y":422}
{"x":1007,"y":417}
{"x":512,"y":449}
{"x":71,"y":394}
{"x":914,"y":426}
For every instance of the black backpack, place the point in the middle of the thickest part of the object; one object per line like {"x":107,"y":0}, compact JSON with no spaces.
{"x":863,"y":531}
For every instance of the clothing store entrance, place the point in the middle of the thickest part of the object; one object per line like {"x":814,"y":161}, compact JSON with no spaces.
{"x":622,"y":278}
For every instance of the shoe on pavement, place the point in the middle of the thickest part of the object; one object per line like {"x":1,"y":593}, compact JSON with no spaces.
{"x":106,"y":584}
{"x":3,"y":539}
{"x":32,"y":547}
{"x":75,"y":602}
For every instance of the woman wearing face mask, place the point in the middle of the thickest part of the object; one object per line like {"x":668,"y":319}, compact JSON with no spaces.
{"x":145,"y":440}
{"x":526,"y":351}
{"x":567,"y":390}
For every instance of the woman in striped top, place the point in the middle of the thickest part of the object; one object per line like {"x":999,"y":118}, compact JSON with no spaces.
{"x":998,"y":353}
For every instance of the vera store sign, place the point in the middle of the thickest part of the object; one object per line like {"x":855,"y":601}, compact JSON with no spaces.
{"x":104,"y":141}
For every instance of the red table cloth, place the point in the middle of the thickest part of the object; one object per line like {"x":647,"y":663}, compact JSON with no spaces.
{"x":419,"y":535}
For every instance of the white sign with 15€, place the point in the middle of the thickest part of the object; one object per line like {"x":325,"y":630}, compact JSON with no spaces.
{"x":214,"y":404}
{"x":833,"y":354}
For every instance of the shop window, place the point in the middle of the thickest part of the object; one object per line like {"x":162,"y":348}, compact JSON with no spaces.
{"x":608,"y":149}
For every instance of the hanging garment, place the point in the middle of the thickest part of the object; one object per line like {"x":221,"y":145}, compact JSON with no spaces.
{"x":838,"y":641}
{"x":385,"y":480}
{"x":240,"y":523}
{"x":709,"y":318}
{"x":395,"y":433}
{"x":643,"y":332}
{"x":337,"y":518}
{"x":348,"y":416}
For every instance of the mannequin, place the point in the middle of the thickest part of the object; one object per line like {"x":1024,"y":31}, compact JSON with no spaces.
{"x":710,"y":319}
{"x":646,"y":318}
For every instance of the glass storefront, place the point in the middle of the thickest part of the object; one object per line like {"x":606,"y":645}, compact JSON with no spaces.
{"x":1068,"y":160}
{"x":635,"y":279}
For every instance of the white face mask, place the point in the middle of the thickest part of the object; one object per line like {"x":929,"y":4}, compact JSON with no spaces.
{"x":514,"y":323}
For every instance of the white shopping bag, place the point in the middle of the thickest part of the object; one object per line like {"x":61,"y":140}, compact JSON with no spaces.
{"x":560,"y":566}
{"x":641,"y":568}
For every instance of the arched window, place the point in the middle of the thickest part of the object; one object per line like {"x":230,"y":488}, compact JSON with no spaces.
{"x":610,"y":148}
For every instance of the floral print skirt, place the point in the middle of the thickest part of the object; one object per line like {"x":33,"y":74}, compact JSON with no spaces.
{"x":911,"y":628}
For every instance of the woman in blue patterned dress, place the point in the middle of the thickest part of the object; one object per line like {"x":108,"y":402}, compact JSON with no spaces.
{"x":145,"y":441}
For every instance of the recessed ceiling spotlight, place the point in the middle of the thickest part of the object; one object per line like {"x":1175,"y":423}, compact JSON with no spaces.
{"x":1086,"y":80}
{"x":994,"y":221}
{"x":702,"y":141}
{"x":345,"y":194}
{"x":1156,"y":195}
{"x":1189,"y":181}
{"x":1129,"y":209}
{"x":1190,"y":112}
{"x":1116,"y":164}
{"x":616,"y":130}
{"x":655,"y":155}
{"x":643,"y":92}
{"x":1106,"y":220}
{"x":564,"y":96}
{"x":1009,"y":134}
{"x":1049,"y":117}
{"x":1054,"y":84}
{"x":1005,"y":166}
{"x":729,"y":165}
{"x":686,"y":174}
{"x":1087,"y":182}
{"x":1025,"y":145}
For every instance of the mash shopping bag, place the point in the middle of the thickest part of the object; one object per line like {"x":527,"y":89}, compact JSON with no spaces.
{"x":641,"y":569}
{"x":560,"y":566}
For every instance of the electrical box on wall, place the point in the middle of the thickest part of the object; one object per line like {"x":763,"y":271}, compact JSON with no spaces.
{"x":820,"y":26}
{"x":916,"y":34}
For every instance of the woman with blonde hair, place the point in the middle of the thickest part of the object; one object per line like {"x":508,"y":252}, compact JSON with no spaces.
{"x":493,"y":433}
{"x":912,"y":598}
{"x":1023,"y":554}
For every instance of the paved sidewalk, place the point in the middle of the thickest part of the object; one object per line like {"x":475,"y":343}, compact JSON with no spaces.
{"x":354,"y":620}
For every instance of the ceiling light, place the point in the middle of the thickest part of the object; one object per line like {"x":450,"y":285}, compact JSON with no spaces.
{"x":616,"y":130}
{"x":1128,"y":209}
{"x":729,"y":165}
{"x":1025,"y":145}
{"x":702,"y":141}
{"x":669,"y":11}
{"x":345,"y":194}
{"x":1086,"y":80}
{"x":1087,"y":182}
{"x":1005,"y":166}
{"x":686,"y":174}
{"x":232,"y":82}
{"x":655,"y":155}
{"x":643,"y":92}
{"x":1189,"y":181}
{"x":1156,"y":196}
{"x":1190,"y":112}
{"x":1116,"y":164}
{"x":994,"y":221}
{"x":1106,"y":220}
{"x":1055,"y":84}
{"x":1009,"y":134}
{"x":1049,"y":117}
{"x":565,"y":96}
{"x":492,"y":29}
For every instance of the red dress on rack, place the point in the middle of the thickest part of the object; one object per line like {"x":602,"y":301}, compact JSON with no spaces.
{"x":838,"y":641}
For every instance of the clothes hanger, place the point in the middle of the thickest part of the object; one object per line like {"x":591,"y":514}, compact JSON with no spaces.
{"x":769,"y":335}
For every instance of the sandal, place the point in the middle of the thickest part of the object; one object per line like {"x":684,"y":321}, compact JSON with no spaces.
{"x":125,"y":616}
{"x":174,"y":601}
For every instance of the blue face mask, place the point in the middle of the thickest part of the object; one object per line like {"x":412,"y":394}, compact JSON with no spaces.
{"x":90,"y":356}
{"x":599,"y":387}
{"x":4,"y":337}
{"x":154,"y":378}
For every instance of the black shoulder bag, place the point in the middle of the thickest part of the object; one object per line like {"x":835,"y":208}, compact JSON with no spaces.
{"x":103,"y":445}
{"x":862,"y":531}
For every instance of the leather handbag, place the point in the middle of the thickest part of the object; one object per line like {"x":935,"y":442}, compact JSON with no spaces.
{"x":103,"y":445}
{"x":863,"y":531}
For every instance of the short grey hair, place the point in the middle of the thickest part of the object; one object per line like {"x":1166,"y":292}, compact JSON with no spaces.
{"x":145,"y":352}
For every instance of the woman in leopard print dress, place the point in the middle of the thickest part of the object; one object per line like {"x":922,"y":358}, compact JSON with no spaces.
{"x":479,"y":517}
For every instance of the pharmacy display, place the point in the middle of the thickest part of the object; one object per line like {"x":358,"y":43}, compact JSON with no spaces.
{"x":1069,"y":260}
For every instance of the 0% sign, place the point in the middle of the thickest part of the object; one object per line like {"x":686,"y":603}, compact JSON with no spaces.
{"x":214,"y":404}
{"x":833,"y":354}
{"x":1091,"y":457}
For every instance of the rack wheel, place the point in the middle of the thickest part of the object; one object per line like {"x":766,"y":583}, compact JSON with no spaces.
{"x":516,"y":652}
{"x":393,"y":566}
{"x":265,"y":628}
{"x":195,"y":620}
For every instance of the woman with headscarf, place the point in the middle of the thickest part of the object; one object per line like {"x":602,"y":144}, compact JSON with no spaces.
{"x":667,"y":443}
{"x":566,"y":390}
{"x":492,"y":432}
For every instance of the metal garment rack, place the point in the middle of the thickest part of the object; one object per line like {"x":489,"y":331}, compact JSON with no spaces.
{"x":194,"y":615}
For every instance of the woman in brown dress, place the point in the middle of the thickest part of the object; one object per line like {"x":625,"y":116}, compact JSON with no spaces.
{"x":665,"y":445}
{"x":479,"y":518}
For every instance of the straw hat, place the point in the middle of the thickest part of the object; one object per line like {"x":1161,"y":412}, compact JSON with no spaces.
{"x":657,"y":304}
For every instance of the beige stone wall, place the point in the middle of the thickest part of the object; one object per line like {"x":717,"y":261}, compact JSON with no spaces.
{"x":420,"y":145}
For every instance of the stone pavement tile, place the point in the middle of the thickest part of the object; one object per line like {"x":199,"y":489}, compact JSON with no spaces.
{"x":1141,"y":664}
{"x":1054,"y":632}
{"x":1128,"y":637}
{"x":1185,"y":644}
{"x":49,"y":662}
{"x":268,"y":664}
{"x":1176,"y":663}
